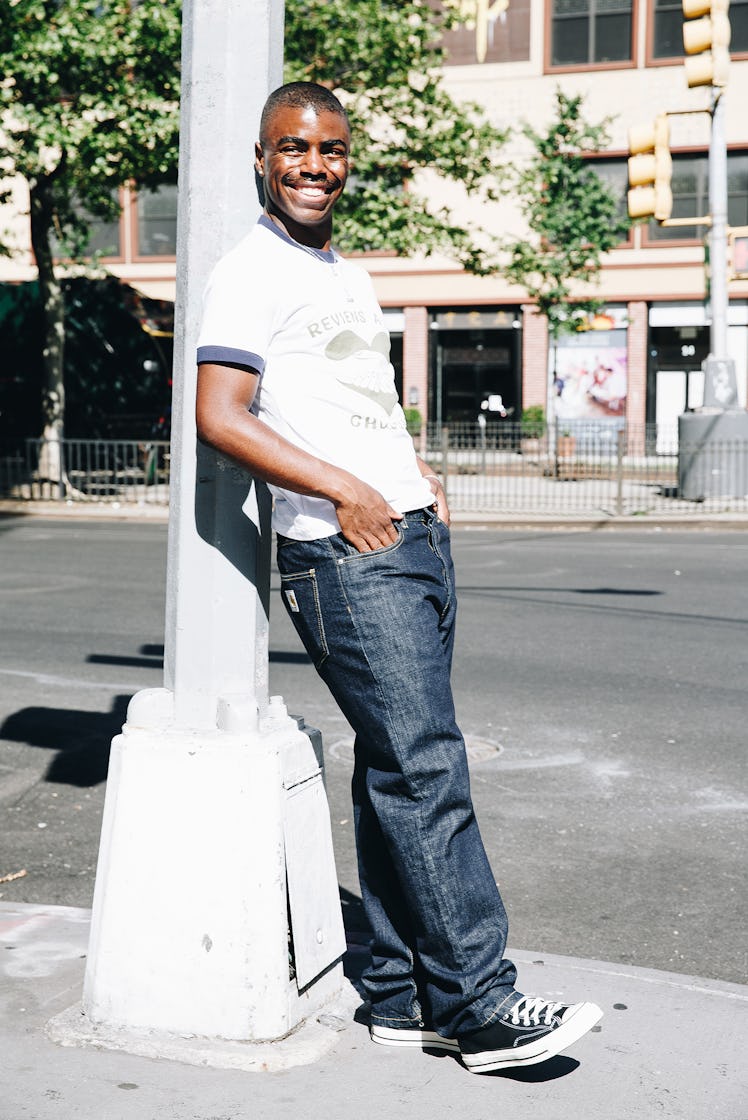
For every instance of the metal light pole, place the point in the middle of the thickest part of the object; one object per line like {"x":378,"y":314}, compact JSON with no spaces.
{"x":718,"y":230}
{"x":713,"y":440}
{"x":215,"y":801}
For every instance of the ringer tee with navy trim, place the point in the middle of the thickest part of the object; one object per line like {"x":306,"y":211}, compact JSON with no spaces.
{"x":309,"y":323}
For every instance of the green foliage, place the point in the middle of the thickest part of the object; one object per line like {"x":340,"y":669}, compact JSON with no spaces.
{"x":572,"y":214}
{"x":382,"y":59}
{"x":532,"y":422}
{"x":413,"y":420}
{"x":90,"y":100}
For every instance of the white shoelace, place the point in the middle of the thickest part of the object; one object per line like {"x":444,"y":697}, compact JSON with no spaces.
{"x":532,"y":1012}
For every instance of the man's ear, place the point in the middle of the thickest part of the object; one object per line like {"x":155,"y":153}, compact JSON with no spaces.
{"x":260,"y":174}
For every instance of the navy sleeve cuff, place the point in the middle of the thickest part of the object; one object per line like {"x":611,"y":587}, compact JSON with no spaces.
{"x":228,"y":356}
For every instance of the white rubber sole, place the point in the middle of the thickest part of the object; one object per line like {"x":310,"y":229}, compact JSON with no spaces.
{"x":584,"y":1018}
{"x":412,"y":1036}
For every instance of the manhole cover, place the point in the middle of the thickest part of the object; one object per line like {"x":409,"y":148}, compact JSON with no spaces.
{"x":482,"y":750}
{"x":478,"y":750}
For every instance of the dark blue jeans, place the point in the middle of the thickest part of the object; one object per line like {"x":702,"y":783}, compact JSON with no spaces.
{"x":379,"y":627}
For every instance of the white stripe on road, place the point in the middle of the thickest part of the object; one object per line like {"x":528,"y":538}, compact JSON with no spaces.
{"x":70,"y":682}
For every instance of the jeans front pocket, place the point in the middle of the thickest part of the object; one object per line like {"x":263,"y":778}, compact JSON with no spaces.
{"x":351,"y":553}
{"x":301,"y":599}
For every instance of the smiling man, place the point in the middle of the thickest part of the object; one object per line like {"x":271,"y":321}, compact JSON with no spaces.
{"x":295,"y":383}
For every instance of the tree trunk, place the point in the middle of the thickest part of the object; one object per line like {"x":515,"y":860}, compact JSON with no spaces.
{"x":51,"y":470}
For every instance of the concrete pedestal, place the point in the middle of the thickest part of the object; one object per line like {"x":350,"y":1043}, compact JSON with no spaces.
{"x":192,"y":933}
{"x":713,"y":454}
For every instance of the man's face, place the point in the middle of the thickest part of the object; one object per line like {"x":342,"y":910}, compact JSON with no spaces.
{"x":303,"y":162}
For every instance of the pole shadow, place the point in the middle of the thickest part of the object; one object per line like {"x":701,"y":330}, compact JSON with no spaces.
{"x":80,"y":739}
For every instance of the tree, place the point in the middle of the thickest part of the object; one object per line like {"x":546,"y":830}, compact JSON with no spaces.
{"x":383,"y":59}
{"x":89,"y":102}
{"x":572,"y":215}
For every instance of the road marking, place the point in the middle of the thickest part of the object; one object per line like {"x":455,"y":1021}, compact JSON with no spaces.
{"x":70,"y":682}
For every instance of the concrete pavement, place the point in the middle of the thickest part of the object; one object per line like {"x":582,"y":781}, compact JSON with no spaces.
{"x":668,"y":1046}
{"x":507,"y":519}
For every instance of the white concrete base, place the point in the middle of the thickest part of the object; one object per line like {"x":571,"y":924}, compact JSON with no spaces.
{"x":308,"y":1043}
{"x":190,"y":932}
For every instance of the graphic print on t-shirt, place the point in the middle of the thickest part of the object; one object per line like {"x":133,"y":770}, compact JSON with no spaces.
{"x":314,"y":330}
{"x":375,"y":380}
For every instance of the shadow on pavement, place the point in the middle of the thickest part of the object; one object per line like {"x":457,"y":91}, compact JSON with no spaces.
{"x":151,"y":656}
{"x":81,"y":739}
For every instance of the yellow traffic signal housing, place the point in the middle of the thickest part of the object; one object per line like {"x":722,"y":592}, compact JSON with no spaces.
{"x":706,"y":39}
{"x":650,"y":170}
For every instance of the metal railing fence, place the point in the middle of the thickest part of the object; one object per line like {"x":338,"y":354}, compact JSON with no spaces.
{"x":587,"y":470}
{"x":82,"y":470}
{"x":582,"y":469}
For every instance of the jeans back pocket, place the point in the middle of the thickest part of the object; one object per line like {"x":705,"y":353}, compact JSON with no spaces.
{"x":300,"y":597}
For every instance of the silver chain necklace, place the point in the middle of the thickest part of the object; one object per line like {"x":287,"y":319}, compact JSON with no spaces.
{"x":320,"y":255}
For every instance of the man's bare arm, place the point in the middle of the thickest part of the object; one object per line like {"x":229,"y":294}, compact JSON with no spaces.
{"x":224,"y":395}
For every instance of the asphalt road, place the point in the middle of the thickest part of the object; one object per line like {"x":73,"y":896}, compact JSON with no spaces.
{"x":599,"y":679}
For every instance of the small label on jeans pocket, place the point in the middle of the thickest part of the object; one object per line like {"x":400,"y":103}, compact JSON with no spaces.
{"x":291,"y":600}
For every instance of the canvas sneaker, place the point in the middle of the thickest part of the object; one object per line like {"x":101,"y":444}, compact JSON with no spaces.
{"x":531,"y":1031}
{"x":412,"y":1036}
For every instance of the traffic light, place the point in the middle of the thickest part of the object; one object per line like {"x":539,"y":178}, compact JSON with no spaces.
{"x":650,"y":170}
{"x":706,"y":39}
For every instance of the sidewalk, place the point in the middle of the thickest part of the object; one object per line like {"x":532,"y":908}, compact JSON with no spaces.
{"x":651,"y":522}
{"x":669,"y":1046}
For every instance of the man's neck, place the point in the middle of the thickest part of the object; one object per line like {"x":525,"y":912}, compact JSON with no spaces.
{"x":305,"y":235}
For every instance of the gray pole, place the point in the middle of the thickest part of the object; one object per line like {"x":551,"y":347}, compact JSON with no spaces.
{"x":720,"y":384}
{"x":216,"y":825}
{"x":718,"y":231}
{"x":217,"y":560}
{"x":713,"y":440}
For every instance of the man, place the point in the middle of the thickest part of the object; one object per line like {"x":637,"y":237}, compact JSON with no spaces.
{"x":295,"y":384}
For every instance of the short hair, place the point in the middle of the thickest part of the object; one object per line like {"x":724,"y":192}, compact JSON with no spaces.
{"x":301,"y":95}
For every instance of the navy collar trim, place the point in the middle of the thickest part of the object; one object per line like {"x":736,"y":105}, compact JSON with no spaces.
{"x":329,"y":256}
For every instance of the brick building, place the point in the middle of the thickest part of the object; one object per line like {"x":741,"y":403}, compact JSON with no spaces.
{"x":458,"y":339}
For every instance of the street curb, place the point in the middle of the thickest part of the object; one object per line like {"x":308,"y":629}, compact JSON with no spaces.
{"x":720,"y":521}
{"x":106,"y":511}
{"x":83,"y":511}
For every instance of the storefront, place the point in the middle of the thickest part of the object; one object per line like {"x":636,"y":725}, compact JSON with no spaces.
{"x":589,"y":371}
{"x":475,"y":366}
{"x":678,"y":344}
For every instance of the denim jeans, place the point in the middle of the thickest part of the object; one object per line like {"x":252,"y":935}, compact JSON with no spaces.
{"x":379,"y":627}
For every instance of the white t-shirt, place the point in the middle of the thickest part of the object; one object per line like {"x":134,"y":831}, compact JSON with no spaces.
{"x":309,"y":323}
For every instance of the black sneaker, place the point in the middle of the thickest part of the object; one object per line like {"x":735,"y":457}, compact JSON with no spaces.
{"x":531,"y":1031}
{"x":417,"y":1035}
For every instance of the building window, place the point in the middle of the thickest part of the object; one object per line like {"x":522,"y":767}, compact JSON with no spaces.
{"x":490,"y":31}
{"x":590,"y":32}
{"x":146,"y":228}
{"x":99,"y":237}
{"x":614,"y":173}
{"x":667,"y":32}
{"x":157,"y":222}
{"x":738,"y":14}
{"x":104,"y":237}
{"x":690,"y":184}
{"x":668,"y":29}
